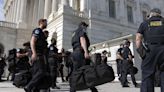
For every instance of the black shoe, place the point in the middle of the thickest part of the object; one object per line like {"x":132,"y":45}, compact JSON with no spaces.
{"x":27,"y":89}
{"x":55,"y":87}
{"x":136,"y":85}
{"x":94,"y":89}
{"x":125,"y":85}
{"x":67,"y":78}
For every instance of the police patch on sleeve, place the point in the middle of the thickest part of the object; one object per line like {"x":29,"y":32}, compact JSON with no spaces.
{"x":36,"y":32}
{"x":18,"y":50}
{"x":73,"y":34}
{"x":51,"y":48}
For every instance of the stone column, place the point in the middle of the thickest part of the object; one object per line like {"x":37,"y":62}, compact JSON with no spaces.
{"x":12,"y":11}
{"x":23,"y":11}
{"x":47,"y":9}
{"x":18,"y":11}
{"x":41,"y":8}
{"x":65,"y":2}
{"x":83,"y":6}
{"x":54,"y":6}
{"x":15,"y":10}
{"x":71,"y":3}
{"x":35,"y":13}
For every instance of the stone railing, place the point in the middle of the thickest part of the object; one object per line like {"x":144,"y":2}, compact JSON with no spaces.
{"x":7,"y":24}
{"x":79,"y":14}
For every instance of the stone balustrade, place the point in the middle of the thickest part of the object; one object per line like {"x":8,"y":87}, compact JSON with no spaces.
{"x":7,"y":24}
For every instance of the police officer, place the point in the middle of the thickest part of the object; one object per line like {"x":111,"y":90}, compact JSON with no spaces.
{"x":127,"y":65}
{"x":61,"y":64}
{"x":80,"y":44}
{"x":38,"y":47}
{"x":104,"y":57}
{"x":52,"y":61}
{"x":2,"y":66}
{"x":119,"y":59}
{"x":22,"y":62}
{"x":152,"y":32}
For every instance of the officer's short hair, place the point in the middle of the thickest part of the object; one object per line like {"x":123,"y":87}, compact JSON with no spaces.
{"x":42,"y":20}
{"x":156,"y":10}
{"x":83,"y":23}
{"x":126,"y":41}
{"x":103,"y":52}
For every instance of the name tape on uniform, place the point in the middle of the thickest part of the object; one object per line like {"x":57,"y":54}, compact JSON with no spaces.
{"x":156,"y":23}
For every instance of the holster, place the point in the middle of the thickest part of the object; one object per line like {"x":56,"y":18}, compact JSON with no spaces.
{"x":142,"y":50}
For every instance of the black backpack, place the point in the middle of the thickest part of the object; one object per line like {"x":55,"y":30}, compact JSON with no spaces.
{"x":12,"y":60}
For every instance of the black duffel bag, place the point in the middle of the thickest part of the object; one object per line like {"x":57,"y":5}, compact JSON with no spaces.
{"x":45,"y":82}
{"x":22,"y":78}
{"x":77,"y":80}
{"x":98,"y":75}
{"x":89,"y":76}
{"x":135,"y":70}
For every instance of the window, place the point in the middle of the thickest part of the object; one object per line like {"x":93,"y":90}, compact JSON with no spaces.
{"x":130,"y":14}
{"x":144,"y":14}
{"x":112,"y":8}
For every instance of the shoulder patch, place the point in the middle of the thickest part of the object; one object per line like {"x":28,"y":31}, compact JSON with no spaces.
{"x":155,"y":23}
{"x":18,"y":50}
{"x":36,"y":32}
{"x":73,"y":34}
{"x":51,"y":48}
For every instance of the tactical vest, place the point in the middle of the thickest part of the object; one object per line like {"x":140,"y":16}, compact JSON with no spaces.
{"x":155,"y":31}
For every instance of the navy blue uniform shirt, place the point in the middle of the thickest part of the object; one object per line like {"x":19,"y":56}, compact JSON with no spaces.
{"x":76,"y":38}
{"x":144,"y":25}
{"x":126,"y":52}
{"x":41,"y":43}
{"x":52,"y":50}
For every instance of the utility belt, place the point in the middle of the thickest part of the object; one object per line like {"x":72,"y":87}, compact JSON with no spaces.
{"x":156,"y":43}
{"x":40,"y":54}
{"x":78,"y":49}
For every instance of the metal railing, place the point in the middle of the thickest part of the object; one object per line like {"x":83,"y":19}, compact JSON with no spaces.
{"x":8,"y":24}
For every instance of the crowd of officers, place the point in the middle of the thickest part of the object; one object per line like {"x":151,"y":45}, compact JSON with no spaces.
{"x":40,"y":59}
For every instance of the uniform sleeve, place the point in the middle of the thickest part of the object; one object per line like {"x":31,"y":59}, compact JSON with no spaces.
{"x":142,"y":28}
{"x":81,"y":33}
{"x":36,"y":33}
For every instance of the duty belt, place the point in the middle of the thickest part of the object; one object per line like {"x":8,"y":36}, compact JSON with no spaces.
{"x":78,"y":48}
{"x":157,"y":43}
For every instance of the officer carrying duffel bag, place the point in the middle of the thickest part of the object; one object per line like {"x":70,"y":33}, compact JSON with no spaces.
{"x":97,"y":75}
{"x":77,"y":79}
{"x":89,"y":76}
